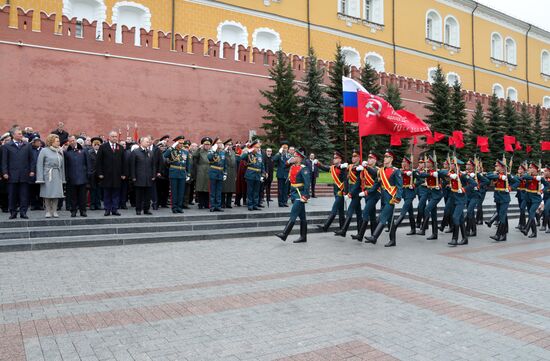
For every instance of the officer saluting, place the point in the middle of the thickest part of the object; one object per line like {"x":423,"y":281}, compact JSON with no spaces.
{"x":216,"y":174}
{"x":300,"y":179}
{"x":177,"y":159}
{"x":254,"y":174}
{"x":338,"y":172}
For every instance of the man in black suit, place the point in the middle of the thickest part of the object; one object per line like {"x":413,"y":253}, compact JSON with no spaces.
{"x":17,"y":168}
{"x":61,"y":133}
{"x":95,"y":190}
{"x":110,"y":171}
{"x":313,"y":165}
{"x":143,"y":172}
{"x":269,"y":167}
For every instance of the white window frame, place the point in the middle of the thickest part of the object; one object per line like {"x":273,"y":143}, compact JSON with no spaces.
{"x":451,"y":74}
{"x":545,"y":62}
{"x":346,"y":49}
{"x":258,"y":31}
{"x":379,"y":57}
{"x":137,"y":34}
{"x":497,"y":85}
{"x":514,"y":58}
{"x":436,"y":28}
{"x":512,"y":89}
{"x":430,"y":77}
{"x":494,"y":55}
{"x":375,"y":11}
{"x":546,"y":102}
{"x":449,"y":41}
{"x":243,"y":42}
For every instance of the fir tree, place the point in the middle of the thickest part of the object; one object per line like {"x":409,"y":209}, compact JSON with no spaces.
{"x":393,"y":96}
{"x":510,"y":116}
{"x":496,"y":128}
{"x":478,"y":127}
{"x":338,"y":70}
{"x":282,"y":105}
{"x":314,"y":111}
{"x":537,"y":134}
{"x":525,"y":130}
{"x":458,"y":112}
{"x":439,"y":117}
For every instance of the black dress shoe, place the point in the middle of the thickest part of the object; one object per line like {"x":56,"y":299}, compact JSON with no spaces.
{"x":138,"y":213}
{"x":148,"y":213}
{"x":218,"y":210}
{"x":13,"y":216}
{"x":185,"y":207}
{"x":123,"y":207}
{"x":107,"y":213}
{"x":261,"y":206}
{"x":115,"y":213}
{"x":212,"y":210}
{"x":24,"y":216}
{"x":174,"y":211}
{"x":179,"y":211}
{"x":73,"y":214}
{"x":83,"y":214}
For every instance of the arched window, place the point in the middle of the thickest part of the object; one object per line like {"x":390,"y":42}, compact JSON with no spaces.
{"x":374,"y":11}
{"x":498,"y":90}
{"x":349,"y":7}
{"x":546,"y":102}
{"x":496,"y":46}
{"x":452,"y":78}
{"x":511,"y":51}
{"x":433,"y":25}
{"x":91,"y":10}
{"x":232,"y":33}
{"x":351,"y":56}
{"x":266,"y":39}
{"x":132,"y":15}
{"x":431,"y":74}
{"x":512,"y":93}
{"x":545,"y":62}
{"x":452,"y":32}
{"x":376,"y":61}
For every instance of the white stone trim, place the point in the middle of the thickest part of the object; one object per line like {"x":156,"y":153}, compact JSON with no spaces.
{"x":542,"y":53}
{"x":147,"y":22}
{"x":495,"y":85}
{"x":505,"y":46}
{"x":244,"y":41}
{"x":458,"y":31}
{"x":376,"y":55}
{"x":440,"y":25}
{"x":546,"y":101}
{"x":511,"y":88}
{"x":265,"y":30}
{"x":352,"y":50}
{"x":452,"y":73}
{"x":101,"y":13}
{"x":493,"y":55}
{"x":430,"y":79}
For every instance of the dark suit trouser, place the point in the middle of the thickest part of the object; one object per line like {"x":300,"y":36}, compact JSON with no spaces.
{"x":95,"y":196}
{"x":177,"y":185}
{"x":143,"y":198}
{"x":313,"y":183}
{"x":154,"y":195}
{"x":35,"y":200}
{"x":123,"y":193}
{"x":78,"y":195}
{"x":111,"y":198}
{"x":18,"y":193}
{"x":268,"y":190}
{"x":283,"y":189}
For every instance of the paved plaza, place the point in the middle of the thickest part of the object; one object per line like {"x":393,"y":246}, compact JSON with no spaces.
{"x":263,"y":299}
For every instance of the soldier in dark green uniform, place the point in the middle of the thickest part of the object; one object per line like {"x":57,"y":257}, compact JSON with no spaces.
{"x":501,"y":195}
{"x":409,"y":175}
{"x":254,"y":175}
{"x":422,"y":192}
{"x":368,"y":178}
{"x":201,"y":166}
{"x":354,"y":174}
{"x":230,"y":183}
{"x":177,"y":159}
{"x":299,"y":194}
{"x":338,"y":172}
{"x":473,"y":195}
{"x":216,"y":174}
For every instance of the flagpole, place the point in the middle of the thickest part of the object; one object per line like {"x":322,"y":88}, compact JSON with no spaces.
{"x":345,"y":141}
{"x":361,"y":148}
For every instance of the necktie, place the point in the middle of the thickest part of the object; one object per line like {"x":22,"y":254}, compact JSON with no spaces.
{"x":113,"y":147}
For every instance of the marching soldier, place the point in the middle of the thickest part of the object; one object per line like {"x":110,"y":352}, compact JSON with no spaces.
{"x":447,"y":198}
{"x":482,"y":192}
{"x":502,"y":199}
{"x":473,"y":195}
{"x":546,"y":199}
{"x":532,"y":193}
{"x":281,"y":160}
{"x":216,"y":174}
{"x":368,"y":177}
{"x":299,"y":192}
{"x":254,"y":175}
{"x":457,"y":181}
{"x":409,"y":176}
{"x":354,"y":182}
{"x":433,"y":182}
{"x":338,"y":172}
{"x":177,"y":158}
{"x":201,"y":166}
{"x":520,"y":195}
{"x":390,"y":183}
{"x":422,"y":192}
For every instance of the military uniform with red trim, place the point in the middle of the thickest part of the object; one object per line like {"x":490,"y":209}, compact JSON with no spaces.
{"x":368,"y":178}
{"x":338,"y":172}
{"x":433,"y":182}
{"x":503,"y":181}
{"x":533,"y":194}
{"x":354,"y":181}
{"x":520,"y":195}
{"x":409,"y":175}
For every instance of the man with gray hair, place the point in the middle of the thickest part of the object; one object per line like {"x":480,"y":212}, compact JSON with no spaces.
{"x":110,"y":171}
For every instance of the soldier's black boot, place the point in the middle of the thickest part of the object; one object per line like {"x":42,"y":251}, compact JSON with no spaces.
{"x":464,"y":235}
{"x":393,"y":230}
{"x":324,"y":227}
{"x":342,"y":231}
{"x":473,"y":228}
{"x":286,"y":231}
{"x":527,"y":227}
{"x":413,"y":226}
{"x":341,"y":220}
{"x":496,"y":236}
{"x":548,"y":224}
{"x":521,"y":222}
{"x":533,"y":230}
{"x":537,"y":216}
{"x":434,"y":230}
{"x":479,"y":216}
{"x":503,"y":233}
{"x":377,"y":232}
{"x":361,"y":232}
{"x":544,"y":223}
{"x":303,"y":233}
{"x":444,"y":222}
{"x":454,"y":239}
{"x":424,"y":226}
{"x":492,"y":220}
{"x":419,"y":219}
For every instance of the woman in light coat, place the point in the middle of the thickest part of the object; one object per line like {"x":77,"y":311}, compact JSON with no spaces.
{"x":50,"y":174}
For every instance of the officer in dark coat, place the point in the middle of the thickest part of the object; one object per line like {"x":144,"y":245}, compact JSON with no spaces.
{"x":142,"y":174}
{"x":76,"y":174}
{"x":217,"y":173}
{"x":110,"y":171}
{"x":34,"y":189}
{"x":281,"y":162}
{"x":17,"y":168}
{"x":178,"y":161}
{"x":269,"y":167}
{"x":190,"y":182}
{"x":95,"y":190}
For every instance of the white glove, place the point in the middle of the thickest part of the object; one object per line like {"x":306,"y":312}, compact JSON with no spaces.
{"x":261,"y":179}
{"x":460,"y":190}
{"x":187,"y":179}
{"x":539,"y":178}
{"x":362,"y":194}
{"x":359,"y":168}
{"x":408,"y":173}
{"x":435,"y":174}
{"x":503,"y":177}
{"x":343,"y":166}
{"x":453,"y":176}
{"x":472,"y":175}
{"x":364,"y":164}
{"x":315,"y":161}
{"x":245,"y":150}
{"x":214,"y":147}
{"x":281,"y":150}
{"x":224,"y":177}
{"x":476,"y":188}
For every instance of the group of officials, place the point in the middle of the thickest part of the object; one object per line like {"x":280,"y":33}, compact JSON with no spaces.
{"x":462,"y":187}
{"x":96,"y":173}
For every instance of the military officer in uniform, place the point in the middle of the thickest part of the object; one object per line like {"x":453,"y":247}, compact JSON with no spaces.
{"x":390,"y":183}
{"x":254,"y":175}
{"x":300,"y":179}
{"x":230,"y":183}
{"x":216,"y":174}
{"x":448,"y":199}
{"x":457,"y":182}
{"x":502,"y":199}
{"x":177,"y":159}
{"x":473,"y":195}
{"x":338,"y":172}
{"x":354,"y":182}
{"x":533,"y":189}
{"x":201,"y":166}
{"x":409,"y":175}
{"x":422,"y":192}
{"x":546,"y":198}
{"x":482,"y":193}
{"x":522,"y":198}
{"x":368,"y":177}
{"x":433,"y":183}
{"x":281,"y":160}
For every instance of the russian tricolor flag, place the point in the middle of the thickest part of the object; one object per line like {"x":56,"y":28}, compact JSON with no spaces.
{"x":351,"y":109}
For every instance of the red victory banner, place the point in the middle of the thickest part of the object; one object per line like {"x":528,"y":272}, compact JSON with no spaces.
{"x":458,"y":139}
{"x":545,"y":146}
{"x":518,"y":145}
{"x":528,"y":149}
{"x":395,"y":141}
{"x":377,"y":116}
{"x":482,"y":141}
{"x":437,"y":137}
{"x":509,"y":141}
